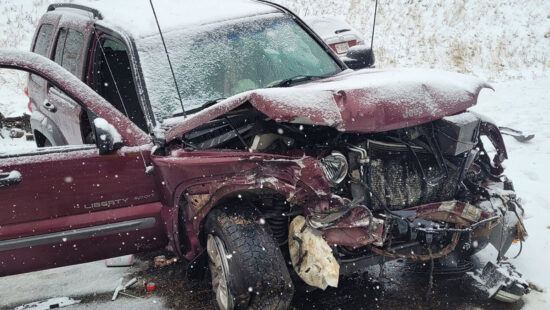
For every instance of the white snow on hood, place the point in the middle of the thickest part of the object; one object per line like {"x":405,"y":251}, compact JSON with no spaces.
{"x":431,"y":94}
{"x":410,"y":87}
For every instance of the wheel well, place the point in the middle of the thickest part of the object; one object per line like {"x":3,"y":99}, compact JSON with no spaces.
{"x":275,"y":209}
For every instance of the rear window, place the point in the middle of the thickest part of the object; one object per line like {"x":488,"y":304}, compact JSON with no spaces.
{"x":68,"y":51}
{"x":43,"y":40}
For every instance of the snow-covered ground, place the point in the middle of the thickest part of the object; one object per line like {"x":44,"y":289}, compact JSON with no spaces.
{"x":76,"y":282}
{"x":497,"y":40}
{"x":525,"y":105}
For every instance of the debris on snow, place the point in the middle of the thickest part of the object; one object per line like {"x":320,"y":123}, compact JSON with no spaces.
{"x":120,"y":287}
{"x":161,"y":261}
{"x":150,"y":286}
{"x":516,"y":134}
{"x":58,"y":302}
{"x":122,"y":261}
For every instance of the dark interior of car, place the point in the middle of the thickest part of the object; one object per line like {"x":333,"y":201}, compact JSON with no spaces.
{"x":113,"y":80}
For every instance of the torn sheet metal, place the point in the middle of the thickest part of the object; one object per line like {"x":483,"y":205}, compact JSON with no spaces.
{"x":311,"y":255}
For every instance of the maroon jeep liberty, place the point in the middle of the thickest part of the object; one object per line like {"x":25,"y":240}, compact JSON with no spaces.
{"x":239,"y":138}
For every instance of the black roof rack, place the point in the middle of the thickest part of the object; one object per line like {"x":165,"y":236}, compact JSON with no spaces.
{"x":95,"y":12}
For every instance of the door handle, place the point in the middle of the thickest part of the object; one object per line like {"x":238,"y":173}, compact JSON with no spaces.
{"x":10,"y":178}
{"x":49,"y":106}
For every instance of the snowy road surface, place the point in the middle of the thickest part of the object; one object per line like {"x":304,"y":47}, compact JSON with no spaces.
{"x":77,"y":282}
{"x":523,"y":105}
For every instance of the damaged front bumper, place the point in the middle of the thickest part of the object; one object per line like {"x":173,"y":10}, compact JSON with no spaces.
{"x":422,"y":233}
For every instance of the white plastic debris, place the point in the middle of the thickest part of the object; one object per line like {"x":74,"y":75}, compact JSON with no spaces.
{"x":58,"y":302}
{"x":311,"y":255}
{"x":120,"y":287}
{"x":121,"y":261}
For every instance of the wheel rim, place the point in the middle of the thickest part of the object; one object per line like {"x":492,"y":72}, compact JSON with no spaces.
{"x":219,"y":268}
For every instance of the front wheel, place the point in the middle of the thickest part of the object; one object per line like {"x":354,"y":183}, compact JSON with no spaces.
{"x":219,"y":269}
{"x":247,"y":268}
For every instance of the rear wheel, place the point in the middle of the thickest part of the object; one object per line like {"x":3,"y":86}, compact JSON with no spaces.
{"x":247,"y":268}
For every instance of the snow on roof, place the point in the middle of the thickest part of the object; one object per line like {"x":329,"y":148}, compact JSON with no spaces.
{"x":136,"y":16}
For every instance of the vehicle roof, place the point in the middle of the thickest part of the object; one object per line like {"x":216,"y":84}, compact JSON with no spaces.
{"x":136,"y":17}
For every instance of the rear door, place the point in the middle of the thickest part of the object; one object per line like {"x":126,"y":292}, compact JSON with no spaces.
{"x":64,"y":112}
{"x":69,"y":204}
{"x":43,"y":45}
{"x":37,"y":85}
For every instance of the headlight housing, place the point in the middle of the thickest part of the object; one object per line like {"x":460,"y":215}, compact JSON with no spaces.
{"x":335,"y":167}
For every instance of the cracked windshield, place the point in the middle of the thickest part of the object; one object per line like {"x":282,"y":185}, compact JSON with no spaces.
{"x":214,"y":62}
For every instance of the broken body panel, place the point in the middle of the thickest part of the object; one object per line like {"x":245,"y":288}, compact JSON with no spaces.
{"x":358,"y":106}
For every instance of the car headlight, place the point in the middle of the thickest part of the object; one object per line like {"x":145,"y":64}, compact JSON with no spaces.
{"x":335,"y":167}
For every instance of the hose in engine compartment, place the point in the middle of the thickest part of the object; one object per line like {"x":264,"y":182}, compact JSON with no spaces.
{"x":431,"y":147}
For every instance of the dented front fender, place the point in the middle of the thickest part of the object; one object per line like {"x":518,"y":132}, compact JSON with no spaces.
{"x":196,"y":181}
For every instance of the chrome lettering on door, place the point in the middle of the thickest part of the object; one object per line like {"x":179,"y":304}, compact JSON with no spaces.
{"x":104,"y":204}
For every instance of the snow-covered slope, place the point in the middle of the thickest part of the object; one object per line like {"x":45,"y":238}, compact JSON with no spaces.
{"x":18,"y":20}
{"x":497,"y":40}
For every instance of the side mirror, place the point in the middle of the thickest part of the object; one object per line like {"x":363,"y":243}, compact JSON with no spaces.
{"x":359,"y":57}
{"x":107,"y":137}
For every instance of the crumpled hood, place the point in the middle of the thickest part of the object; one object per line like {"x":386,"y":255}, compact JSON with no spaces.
{"x":362,"y":101}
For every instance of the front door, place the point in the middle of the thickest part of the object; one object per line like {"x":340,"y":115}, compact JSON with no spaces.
{"x":63,"y":205}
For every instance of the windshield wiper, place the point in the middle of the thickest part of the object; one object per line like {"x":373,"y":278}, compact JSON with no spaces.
{"x":203,"y":106}
{"x":297,"y":79}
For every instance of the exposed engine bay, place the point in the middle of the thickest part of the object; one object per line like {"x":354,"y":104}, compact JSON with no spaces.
{"x":423,"y":193}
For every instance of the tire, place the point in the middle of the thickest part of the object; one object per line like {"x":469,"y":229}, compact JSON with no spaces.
{"x":247,"y":259}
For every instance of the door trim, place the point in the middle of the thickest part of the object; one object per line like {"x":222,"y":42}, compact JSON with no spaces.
{"x":75,"y":234}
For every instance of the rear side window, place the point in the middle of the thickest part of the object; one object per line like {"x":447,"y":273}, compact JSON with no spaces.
{"x":68,"y":51}
{"x":43,"y":40}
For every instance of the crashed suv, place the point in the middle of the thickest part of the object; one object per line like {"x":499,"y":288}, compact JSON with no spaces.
{"x":260,"y":148}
